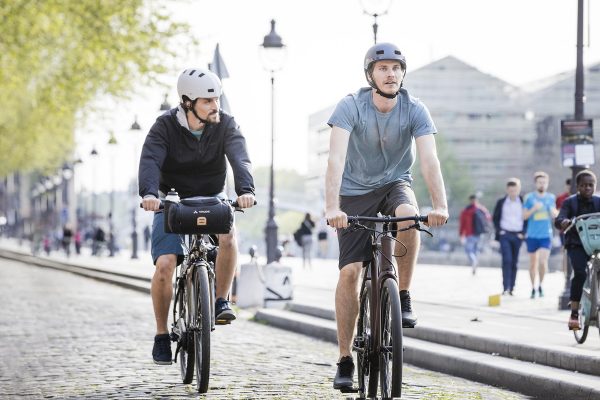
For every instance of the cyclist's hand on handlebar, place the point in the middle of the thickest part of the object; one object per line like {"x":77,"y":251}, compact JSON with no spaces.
{"x":437,"y":217}
{"x":245,"y":200}
{"x":337,"y":218}
{"x":150,"y":203}
{"x":565,"y":223}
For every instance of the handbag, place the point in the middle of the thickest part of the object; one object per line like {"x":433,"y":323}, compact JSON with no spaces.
{"x":198,"y":215}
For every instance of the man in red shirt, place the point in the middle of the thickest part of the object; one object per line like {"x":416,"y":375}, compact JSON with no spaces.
{"x":474,"y":221}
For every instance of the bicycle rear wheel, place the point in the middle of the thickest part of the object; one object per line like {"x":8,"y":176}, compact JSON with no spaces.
{"x":202,"y":328}
{"x":390,"y":354}
{"x":367,"y":369}
{"x":185,"y":335}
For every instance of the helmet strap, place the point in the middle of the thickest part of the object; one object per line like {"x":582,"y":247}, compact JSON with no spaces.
{"x":193,"y":110}
{"x":387,"y":96}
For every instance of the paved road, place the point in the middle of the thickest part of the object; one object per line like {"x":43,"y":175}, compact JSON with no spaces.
{"x":64,"y":336}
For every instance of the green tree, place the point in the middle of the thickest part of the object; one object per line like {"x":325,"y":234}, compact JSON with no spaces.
{"x":456,"y":178}
{"x":56,"y":56}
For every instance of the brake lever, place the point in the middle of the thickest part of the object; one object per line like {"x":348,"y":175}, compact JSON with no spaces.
{"x":421,"y":229}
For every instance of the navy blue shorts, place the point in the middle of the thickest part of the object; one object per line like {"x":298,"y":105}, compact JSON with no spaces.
{"x":165,"y":243}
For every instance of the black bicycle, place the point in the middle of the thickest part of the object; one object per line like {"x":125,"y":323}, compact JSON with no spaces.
{"x":194,"y":295}
{"x":378,"y":341}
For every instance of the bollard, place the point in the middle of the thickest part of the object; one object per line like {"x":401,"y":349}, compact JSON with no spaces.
{"x":494,"y":300}
{"x":278,"y":285}
{"x":250,"y":284}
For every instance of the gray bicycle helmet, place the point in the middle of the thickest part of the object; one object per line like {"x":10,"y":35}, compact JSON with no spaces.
{"x":378,"y":52}
{"x":198,"y":83}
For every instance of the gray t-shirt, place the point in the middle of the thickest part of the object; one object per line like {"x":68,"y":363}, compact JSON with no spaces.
{"x":380,"y":148}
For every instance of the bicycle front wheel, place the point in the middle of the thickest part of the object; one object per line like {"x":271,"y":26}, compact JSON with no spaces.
{"x":203,"y":328}
{"x":186,"y":310}
{"x":585,"y":309}
{"x":390,"y":354}
{"x":367,"y":369}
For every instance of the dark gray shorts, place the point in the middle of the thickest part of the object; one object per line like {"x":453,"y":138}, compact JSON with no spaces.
{"x":165,"y":243}
{"x":355,"y":245}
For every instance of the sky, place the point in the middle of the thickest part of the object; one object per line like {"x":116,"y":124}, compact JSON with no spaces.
{"x":515,"y":40}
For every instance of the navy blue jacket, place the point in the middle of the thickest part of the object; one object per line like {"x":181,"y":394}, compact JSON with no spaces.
{"x":498,"y":216}
{"x":569,"y":210}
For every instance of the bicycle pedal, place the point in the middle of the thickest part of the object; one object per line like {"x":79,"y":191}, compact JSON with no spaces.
{"x":222,"y":322}
{"x":349,"y":390}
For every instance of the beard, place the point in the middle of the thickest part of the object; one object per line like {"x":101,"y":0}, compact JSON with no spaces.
{"x":214,"y":117}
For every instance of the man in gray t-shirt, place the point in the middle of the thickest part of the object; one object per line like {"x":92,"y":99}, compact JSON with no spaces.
{"x":374,"y":135}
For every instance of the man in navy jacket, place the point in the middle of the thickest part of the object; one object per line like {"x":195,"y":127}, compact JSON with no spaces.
{"x":509,"y":226}
{"x":583,"y":202}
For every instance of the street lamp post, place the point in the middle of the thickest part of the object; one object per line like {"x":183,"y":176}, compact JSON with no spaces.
{"x":94,"y":156}
{"x":563,"y":300}
{"x":112,"y":141}
{"x":375,"y":8}
{"x":273,"y":56}
{"x":134,"y":236}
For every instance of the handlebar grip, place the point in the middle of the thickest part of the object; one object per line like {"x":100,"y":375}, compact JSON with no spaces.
{"x":234,"y":203}
{"x":161,"y":207}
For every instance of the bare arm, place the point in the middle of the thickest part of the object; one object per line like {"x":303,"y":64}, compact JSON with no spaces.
{"x":528,"y":212}
{"x":432,"y":174}
{"x":338,"y":146}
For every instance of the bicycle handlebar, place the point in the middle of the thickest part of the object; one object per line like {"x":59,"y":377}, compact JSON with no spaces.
{"x":574,"y":220}
{"x":386,"y":218}
{"x":232,"y":203}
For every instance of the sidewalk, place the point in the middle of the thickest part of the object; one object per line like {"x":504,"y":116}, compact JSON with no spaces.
{"x":451,"y":305}
{"x":450,"y":297}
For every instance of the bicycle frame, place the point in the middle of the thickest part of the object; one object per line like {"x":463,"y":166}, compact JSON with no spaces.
{"x":380,"y":269}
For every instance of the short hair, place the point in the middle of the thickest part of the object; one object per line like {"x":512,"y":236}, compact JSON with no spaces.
{"x":585,"y":172}
{"x":568,"y":181}
{"x":473,"y":197}
{"x":513,"y":182}
{"x":540,"y":174}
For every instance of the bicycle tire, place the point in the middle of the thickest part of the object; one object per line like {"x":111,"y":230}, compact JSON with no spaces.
{"x":585,"y":305}
{"x":390,"y":353}
{"x":202,"y":329}
{"x":596,"y":295}
{"x":367,"y":369}
{"x":186,"y":342}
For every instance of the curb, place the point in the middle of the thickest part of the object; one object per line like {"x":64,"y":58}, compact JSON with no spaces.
{"x":537,"y":380}
{"x":127,"y":281}
{"x":517,"y":351}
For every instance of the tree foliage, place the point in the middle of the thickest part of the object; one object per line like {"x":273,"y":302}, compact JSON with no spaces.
{"x":56,"y":56}
{"x":456,"y":179}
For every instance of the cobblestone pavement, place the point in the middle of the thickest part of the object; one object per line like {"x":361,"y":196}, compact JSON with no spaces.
{"x":64,"y":336}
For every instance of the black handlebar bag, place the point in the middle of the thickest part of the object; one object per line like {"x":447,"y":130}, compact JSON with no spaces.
{"x":198,"y":215}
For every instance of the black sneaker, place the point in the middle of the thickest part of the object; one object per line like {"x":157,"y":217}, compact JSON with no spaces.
{"x":409,"y":320}
{"x":345,"y":374}
{"x":540,"y":292}
{"x":161,"y":352}
{"x":223,"y":312}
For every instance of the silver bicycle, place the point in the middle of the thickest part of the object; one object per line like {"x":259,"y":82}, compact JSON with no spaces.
{"x":588,"y":229}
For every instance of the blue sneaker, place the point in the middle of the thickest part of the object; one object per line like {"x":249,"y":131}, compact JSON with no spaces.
{"x":161,"y":352}
{"x":223,"y":312}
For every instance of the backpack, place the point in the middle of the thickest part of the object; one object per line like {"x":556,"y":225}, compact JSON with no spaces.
{"x":480,"y":222}
{"x":298,"y":237}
